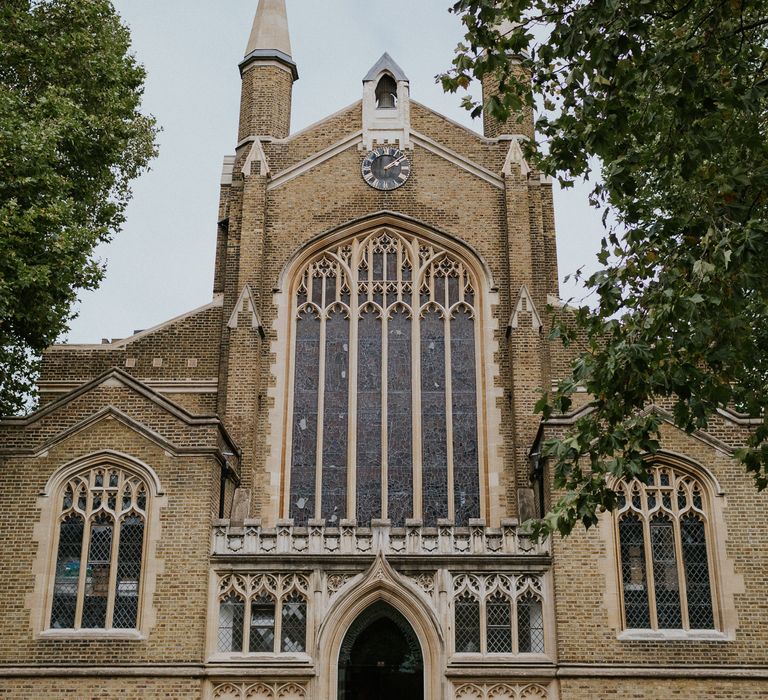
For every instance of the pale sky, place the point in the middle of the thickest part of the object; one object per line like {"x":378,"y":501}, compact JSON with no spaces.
{"x":161,"y":264}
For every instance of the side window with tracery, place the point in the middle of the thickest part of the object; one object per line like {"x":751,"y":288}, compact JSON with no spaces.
{"x":498,"y":614}
{"x":263,"y":614}
{"x":100,"y":546}
{"x":664,"y":550}
{"x":385,"y":389}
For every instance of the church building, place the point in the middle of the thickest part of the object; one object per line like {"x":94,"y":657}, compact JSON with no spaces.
{"x":312,"y":488}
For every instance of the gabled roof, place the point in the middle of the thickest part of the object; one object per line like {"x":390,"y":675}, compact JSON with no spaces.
{"x":116,"y":377}
{"x":385,"y":63}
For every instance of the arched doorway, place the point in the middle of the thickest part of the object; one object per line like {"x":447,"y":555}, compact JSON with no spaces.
{"x":381,"y":658}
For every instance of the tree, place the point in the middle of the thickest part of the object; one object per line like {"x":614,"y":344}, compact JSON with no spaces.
{"x":71,"y":140}
{"x":670,"y":98}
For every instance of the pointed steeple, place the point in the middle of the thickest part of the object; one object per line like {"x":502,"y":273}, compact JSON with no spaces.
{"x":268,"y":74}
{"x":270,"y":28}
{"x":270,"y":39}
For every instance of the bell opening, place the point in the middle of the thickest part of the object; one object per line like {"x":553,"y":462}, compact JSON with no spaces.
{"x":386,"y":93}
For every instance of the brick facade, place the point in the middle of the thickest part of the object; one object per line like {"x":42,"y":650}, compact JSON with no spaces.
{"x":202,"y":400}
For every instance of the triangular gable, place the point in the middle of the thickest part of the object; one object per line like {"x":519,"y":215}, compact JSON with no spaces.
{"x":385,"y":63}
{"x":246,"y":302}
{"x":524,"y":305}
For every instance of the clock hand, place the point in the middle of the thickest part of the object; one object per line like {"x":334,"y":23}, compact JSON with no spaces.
{"x":395,"y":162}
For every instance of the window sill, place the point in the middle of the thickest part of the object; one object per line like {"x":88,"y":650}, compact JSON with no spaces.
{"x":460,"y":658}
{"x":107,"y":635}
{"x":640,"y":635}
{"x":261,"y":658}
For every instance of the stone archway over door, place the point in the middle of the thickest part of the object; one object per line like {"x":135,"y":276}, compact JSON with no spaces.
{"x":381,"y":657}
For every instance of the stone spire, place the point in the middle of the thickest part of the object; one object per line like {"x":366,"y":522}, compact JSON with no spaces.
{"x":268,"y":73}
{"x":270,"y":29}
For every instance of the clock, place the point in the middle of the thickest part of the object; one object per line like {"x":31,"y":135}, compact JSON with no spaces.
{"x":386,"y":168}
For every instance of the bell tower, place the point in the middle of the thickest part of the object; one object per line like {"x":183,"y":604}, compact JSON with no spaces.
{"x":268,"y":73}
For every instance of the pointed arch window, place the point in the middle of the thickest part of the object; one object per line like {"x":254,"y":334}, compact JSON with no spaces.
{"x":263,"y":614}
{"x":385,"y":389}
{"x":101,"y":536}
{"x":498,"y":614}
{"x":664,"y":551}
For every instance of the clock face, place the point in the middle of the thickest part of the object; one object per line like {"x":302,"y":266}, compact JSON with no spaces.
{"x":386,"y":168}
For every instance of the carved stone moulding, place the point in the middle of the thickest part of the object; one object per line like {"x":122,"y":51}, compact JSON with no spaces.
{"x":503,"y":691}
{"x":263,"y":690}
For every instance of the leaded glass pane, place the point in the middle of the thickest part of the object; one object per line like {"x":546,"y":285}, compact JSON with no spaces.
{"x":499,"y":624}
{"x":262,"y":632}
{"x":666,"y":581}
{"x":369,"y":419}
{"x":67,"y":572}
{"x":231,"y":616}
{"x":335,"y":418}
{"x":433,"y":419}
{"x":633,"y":573}
{"x":467,"y":619}
{"x":304,"y":444}
{"x":530,"y":625}
{"x":128,"y":572}
{"x":97,"y":573}
{"x":399,"y":413}
{"x":294,"y":624}
{"x":464,"y":403}
{"x":700,"y":614}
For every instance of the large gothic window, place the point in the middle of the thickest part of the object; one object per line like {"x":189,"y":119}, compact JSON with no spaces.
{"x":664,"y":551}
{"x":101,"y":533}
{"x":385,"y":390}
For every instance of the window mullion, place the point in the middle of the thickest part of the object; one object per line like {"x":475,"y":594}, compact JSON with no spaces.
{"x":320,"y":415}
{"x":115,"y":553}
{"x":113,"y":564}
{"x":384,"y":415}
{"x":649,"y":572}
{"x":448,"y":408}
{"x":247,"y":621}
{"x":278,"y":645}
{"x":418,"y":273}
{"x":352,"y":370}
{"x":483,"y":622}
{"x":84,"y":554}
{"x":681,"y":586}
{"x":514,"y":626}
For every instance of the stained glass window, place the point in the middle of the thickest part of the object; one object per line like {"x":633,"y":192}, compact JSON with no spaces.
{"x":665,"y":573}
{"x":100,"y":541}
{"x":385,"y":344}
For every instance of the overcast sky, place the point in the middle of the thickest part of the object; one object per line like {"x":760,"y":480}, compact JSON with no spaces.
{"x":161,"y":264}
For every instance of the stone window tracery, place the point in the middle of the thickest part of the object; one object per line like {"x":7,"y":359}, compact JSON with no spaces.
{"x":385,"y":390}
{"x":498,"y":614}
{"x":664,"y":553}
{"x":100,"y":547}
{"x":248,"y":618}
